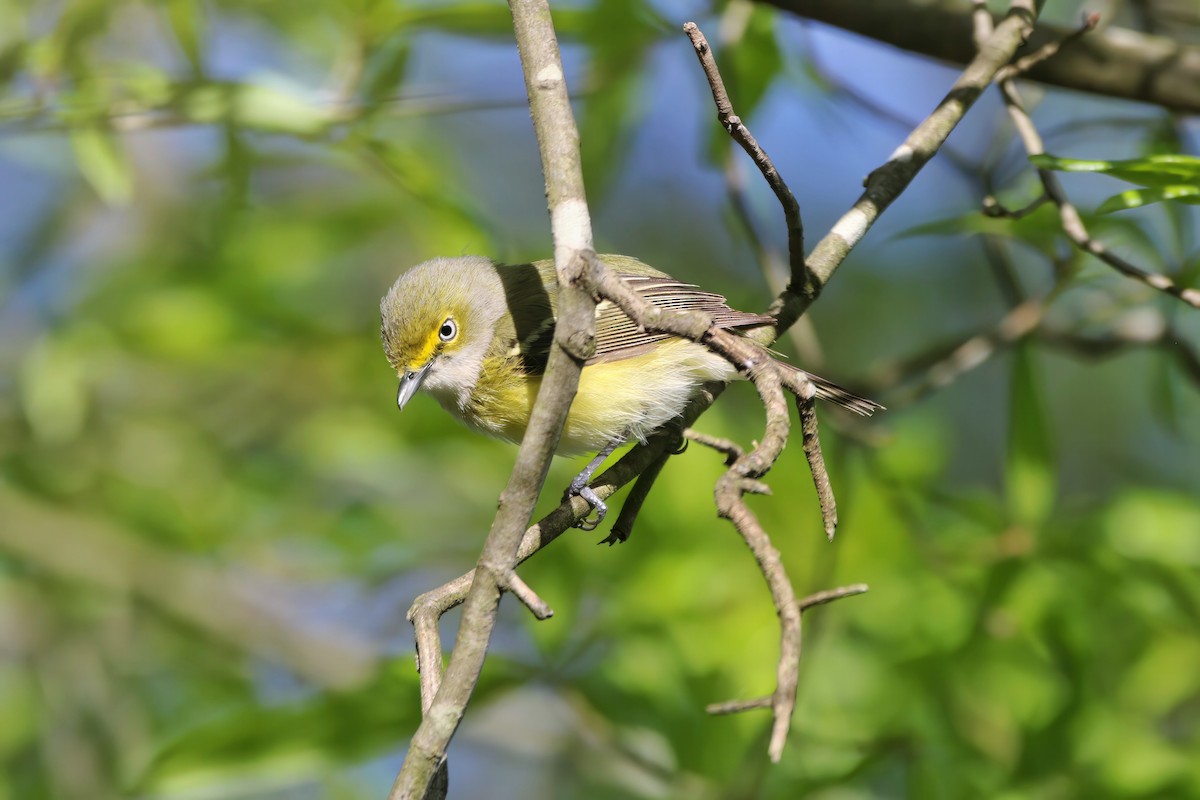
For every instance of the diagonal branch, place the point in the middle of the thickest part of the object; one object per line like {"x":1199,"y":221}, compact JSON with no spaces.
{"x":578,"y":268}
{"x":1072,"y":222}
{"x":732,"y":123}
{"x":887,"y":182}
{"x":574,"y":256}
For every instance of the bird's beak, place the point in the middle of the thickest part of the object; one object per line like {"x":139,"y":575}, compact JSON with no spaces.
{"x":410,"y":381}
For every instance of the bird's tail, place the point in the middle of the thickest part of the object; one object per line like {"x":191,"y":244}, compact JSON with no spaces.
{"x":828,"y":390}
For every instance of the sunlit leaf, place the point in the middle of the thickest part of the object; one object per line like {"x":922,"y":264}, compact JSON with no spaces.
{"x":1155,"y":170}
{"x":1136,"y":198}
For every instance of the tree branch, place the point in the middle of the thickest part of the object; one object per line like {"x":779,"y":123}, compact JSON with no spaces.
{"x":1072,"y":222}
{"x":574,"y":257}
{"x":577,"y":268}
{"x":1116,"y":62}
{"x":732,"y":124}
{"x":886,"y":183}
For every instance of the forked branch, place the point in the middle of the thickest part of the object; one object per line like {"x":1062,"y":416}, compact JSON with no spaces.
{"x":1072,"y":223}
{"x":444,"y":699}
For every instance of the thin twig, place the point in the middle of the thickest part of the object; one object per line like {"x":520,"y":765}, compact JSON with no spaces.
{"x":816,"y":462}
{"x":731,"y":506}
{"x":800,"y":281}
{"x":520,"y":590}
{"x":738,"y":706}
{"x":727,"y":447}
{"x":1047,"y":50}
{"x":1072,"y":222}
{"x":993,"y":208}
{"x":812,"y":600}
{"x":829,"y":595}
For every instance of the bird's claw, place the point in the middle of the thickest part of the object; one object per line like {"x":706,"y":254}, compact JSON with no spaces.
{"x":615,"y":536}
{"x":587,"y":523}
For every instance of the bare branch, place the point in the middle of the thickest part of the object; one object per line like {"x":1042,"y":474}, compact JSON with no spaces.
{"x":886,"y":183}
{"x":738,"y":706}
{"x":1072,"y":222}
{"x":993,"y":208}
{"x":729,"y":448}
{"x":520,"y":590}
{"x":1117,"y":62}
{"x":731,"y":506}
{"x":1048,"y":50}
{"x":829,"y":595}
{"x":742,"y":476}
{"x":575,"y":259}
{"x":816,"y":462}
{"x":800,"y":281}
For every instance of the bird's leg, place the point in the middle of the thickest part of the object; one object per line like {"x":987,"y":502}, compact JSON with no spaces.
{"x":580,"y":487}
{"x":633,"y":503}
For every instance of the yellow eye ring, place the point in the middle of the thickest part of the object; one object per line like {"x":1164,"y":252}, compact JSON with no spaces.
{"x":448,"y":331}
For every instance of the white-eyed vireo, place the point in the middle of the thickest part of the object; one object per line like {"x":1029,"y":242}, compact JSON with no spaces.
{"x":476,"y":335}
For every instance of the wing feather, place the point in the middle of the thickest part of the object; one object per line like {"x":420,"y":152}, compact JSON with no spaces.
{"x":618,"y":337}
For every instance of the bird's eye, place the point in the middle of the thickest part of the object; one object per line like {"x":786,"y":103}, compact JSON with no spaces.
{"x":448,"y":331}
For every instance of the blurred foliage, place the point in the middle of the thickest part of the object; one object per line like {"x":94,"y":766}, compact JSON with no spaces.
{"x":1168,"y":177}
{"x":212,"y":518}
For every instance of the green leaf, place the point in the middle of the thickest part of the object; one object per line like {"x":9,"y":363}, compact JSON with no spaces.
{"x":1136,"y":198}
{"x":188,"y":24}
{"x":1030,"y":472}
{"x":385,"y":70}
{"x":1157,"y":170}
{"x":103,"y":164}
{"x":1156,"y":526}
{"x":1040,"y":229}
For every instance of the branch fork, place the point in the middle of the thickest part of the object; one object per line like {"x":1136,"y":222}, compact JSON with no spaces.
{"x":583,"y":281}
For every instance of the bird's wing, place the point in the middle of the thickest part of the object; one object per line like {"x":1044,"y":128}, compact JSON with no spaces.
{"x":618,"y":337}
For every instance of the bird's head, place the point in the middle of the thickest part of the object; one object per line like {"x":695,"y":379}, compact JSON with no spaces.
{"x":438,"y":321}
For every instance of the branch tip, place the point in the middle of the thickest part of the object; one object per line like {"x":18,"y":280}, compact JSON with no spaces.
{"x":830,"y":595}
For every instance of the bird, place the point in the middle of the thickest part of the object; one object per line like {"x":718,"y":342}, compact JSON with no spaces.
{"x":476,"y":335}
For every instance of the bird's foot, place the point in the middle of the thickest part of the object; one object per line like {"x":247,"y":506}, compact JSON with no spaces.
{"x":579,"y":488}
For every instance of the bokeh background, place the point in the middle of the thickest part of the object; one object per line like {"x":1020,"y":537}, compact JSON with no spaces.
{"x":212,"y":517}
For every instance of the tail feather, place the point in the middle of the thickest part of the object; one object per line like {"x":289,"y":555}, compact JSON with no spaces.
{"x":828,"y":390}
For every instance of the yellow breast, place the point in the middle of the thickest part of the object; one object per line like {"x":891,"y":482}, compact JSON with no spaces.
{"x":616,"y":400}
